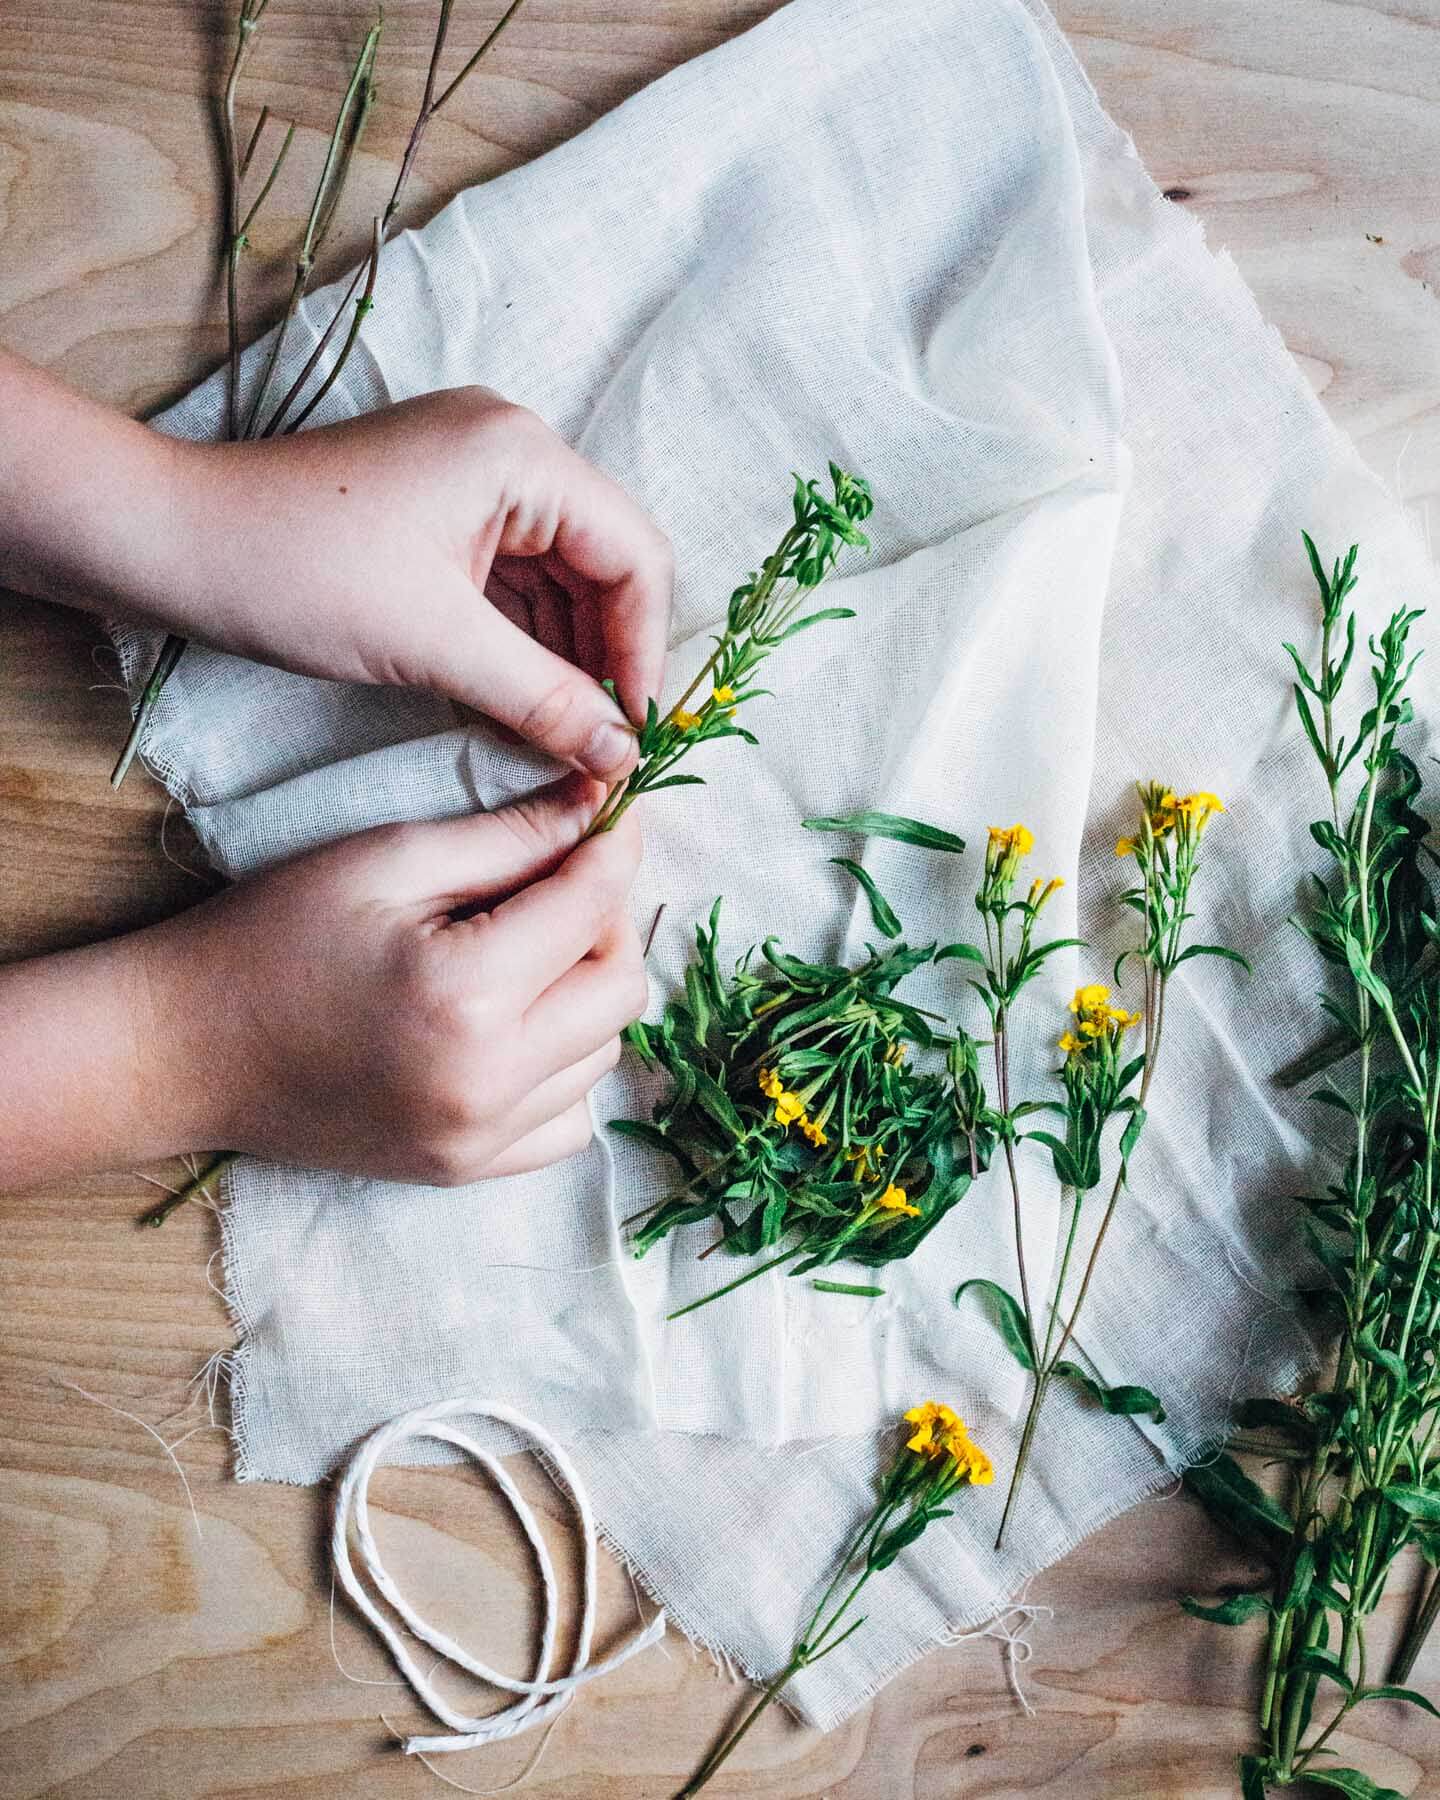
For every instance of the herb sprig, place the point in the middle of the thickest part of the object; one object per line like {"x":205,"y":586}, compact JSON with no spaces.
{"x":937,"y":1459}
{"x":764,"y":612}
{"x":1363,"y":1483}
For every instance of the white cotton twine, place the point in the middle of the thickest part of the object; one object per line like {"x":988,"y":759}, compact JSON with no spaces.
{"x":541,"y":1698}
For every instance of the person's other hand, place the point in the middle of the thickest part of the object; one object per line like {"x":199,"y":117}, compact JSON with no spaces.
{"x":334,"y":1011}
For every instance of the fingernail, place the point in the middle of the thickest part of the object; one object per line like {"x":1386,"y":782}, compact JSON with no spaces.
{"x":608,"y":748}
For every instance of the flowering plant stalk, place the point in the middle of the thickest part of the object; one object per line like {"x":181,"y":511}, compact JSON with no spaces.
{"x":764,"y":611}
{"x":937,"y":1459}
{"x":795,"y":1118}
{"x":1360,"y":1451}
{"x":1098,"y":1075}
{"x":359,"y":297}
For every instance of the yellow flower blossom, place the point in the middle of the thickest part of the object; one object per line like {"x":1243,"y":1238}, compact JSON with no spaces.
{"x":979,"y":1469}
{"x":893,"y":1200}
{"x":895,"y":1055}
{"x":1011,"y":840}
{"x":788,"y":1108}
{"x":1041,"y":891}
{"x":770,"y":1084}
{"x":1094,"y":994}
{"x":1198,"y":809}
{"x":941,"y":1434}
{"x":724,"y":695}
{"x":815,"y":1131}
{"x":1125,"y":847}
{"x":926,"y":1419}
{"x":1070,"y":1044}
{"x":684,"y":721}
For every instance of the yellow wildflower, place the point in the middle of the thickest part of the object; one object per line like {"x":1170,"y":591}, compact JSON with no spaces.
{"x":1198,"y":809}
{"x":724,"y":695}
{"x":815,"y":1131}
{"x":1125,"y":847}
{"x":684,"y":721}
{"x":1011,"y":841}
{"x":788,"y":1108}
{"x":1041,"y":891}
{"x":1094,"y":994}
{"x":770,"y":1084}
{"x":979,"y":1469}
{"x":896,"y":1053}
{"x":1072,"y":1045}
{"x":926,"y":1419}
{"x":893,"y":1200}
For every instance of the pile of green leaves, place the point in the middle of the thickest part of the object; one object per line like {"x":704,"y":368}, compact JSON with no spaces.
{"x":839,"y":1038}
{"x":1360,"y":1453}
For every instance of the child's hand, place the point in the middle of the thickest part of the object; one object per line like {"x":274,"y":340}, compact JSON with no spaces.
{"x":333,"y":1012}
{"x":453,"y":542}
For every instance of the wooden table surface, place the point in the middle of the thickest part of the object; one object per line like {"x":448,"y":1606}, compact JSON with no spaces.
{"x":140,"y":1662}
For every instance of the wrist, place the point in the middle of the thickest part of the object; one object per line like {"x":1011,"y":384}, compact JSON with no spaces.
{"x":98,"y":1076}
{"x":89,"y":519}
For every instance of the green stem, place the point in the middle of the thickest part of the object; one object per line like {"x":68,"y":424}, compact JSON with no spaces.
{"x":1420,"y":1628}
{"x":730,"y":1286}
{"x":727,"y":1745}
{"x":1022,"y":1457}
{"x":157,"y":1215}
{"x":164,"y":666}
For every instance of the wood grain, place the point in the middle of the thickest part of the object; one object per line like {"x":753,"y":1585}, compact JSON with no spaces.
{"x":143,"y":1662}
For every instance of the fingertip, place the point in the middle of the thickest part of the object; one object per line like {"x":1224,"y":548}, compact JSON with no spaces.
{"x":610,"y":750}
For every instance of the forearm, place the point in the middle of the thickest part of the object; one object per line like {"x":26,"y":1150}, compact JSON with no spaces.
{"x":97,"y":1066}
{"x":88,"y":499}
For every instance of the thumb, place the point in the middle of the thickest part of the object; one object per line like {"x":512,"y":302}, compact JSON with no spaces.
{"x":488,"y":856}
{"x":545,"y":699}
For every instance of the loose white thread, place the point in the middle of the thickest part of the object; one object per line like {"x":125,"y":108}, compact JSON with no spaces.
{"x":135,"y":1419}
{"x":541,"y":1698}
{"x":1018,"y":1648}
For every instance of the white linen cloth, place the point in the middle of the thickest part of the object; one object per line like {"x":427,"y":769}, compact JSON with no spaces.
{"x":906,"y":238}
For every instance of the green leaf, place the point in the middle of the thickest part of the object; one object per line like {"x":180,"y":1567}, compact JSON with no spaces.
{"x":1408,"y":1695}
{"x":847,"y":1287}
{"x":1261,"y":1413}
{"x":816,"y":618}
{"x":1302,"y":1579}
{"x":1234,"y":1611}
{"x":1235,"y":1501}
{"x":959,"y":952}
{"x":1392,"y":1364}
{"x":1353,"y":1783}
{"x":1420,"y":1503}
{"x":656,"y":1139}
{"x":1253,"y":1771}
{"x":717,"y":1103}
{"x":880,"y":909}
{"x":654,"y":787}
{"x":1213,"y":950}
{"x":1364,"y":975}
{"x":1324,"y":1662}
{"x":1124,"y":1401}
{"x":1130,"y":1137}
{"x":891,"y":825}
{"x":1009,"y":1317}
{"x":1067,"y":1170}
